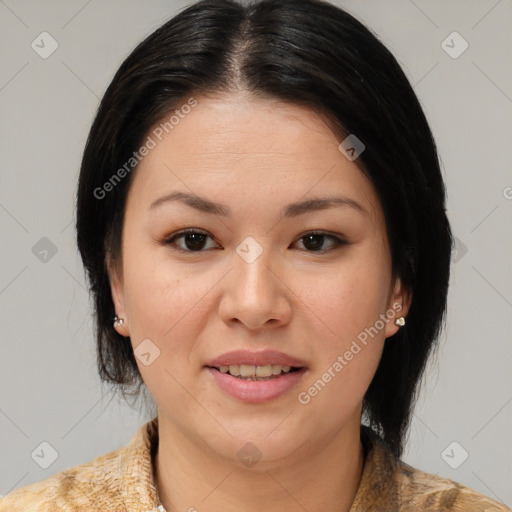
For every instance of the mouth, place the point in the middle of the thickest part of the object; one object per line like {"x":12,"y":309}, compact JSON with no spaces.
{"x":256,"y":373}
{"x":256,"y":377}
{"x":256,"y":384}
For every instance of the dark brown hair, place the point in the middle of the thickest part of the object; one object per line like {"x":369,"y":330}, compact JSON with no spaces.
{"x":309,"y":53}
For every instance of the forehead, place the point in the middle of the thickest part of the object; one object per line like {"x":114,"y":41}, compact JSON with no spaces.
{"x":239,"y":148}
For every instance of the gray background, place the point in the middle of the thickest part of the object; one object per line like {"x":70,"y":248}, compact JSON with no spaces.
{"x":49,"y":387}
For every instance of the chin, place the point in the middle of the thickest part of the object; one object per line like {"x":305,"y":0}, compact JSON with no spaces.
{"x":257,"y":445}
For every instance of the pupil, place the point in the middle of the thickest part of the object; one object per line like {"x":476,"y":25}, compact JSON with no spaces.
{"x":197,"y":240}
{"x":314,"y":246}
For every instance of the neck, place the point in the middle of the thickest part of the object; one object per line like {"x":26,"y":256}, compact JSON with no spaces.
{"x":192,"y":477}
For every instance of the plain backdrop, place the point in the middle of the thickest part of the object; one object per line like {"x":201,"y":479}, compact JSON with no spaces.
{"x":50,"y":391}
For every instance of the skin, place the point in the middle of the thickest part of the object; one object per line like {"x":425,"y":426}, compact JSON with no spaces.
{"x":254,"y":156}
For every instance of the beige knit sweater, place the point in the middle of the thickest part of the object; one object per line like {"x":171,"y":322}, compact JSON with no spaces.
{"x":122,"y":481}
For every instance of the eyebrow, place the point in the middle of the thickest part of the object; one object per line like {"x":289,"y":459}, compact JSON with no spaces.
{"x":291,"y":210}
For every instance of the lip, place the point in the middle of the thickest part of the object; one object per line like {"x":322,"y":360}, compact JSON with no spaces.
{"x":254,"y":391}
{"x":260,"y":358}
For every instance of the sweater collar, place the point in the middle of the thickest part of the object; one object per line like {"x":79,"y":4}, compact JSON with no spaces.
{"x":138,"y":488}
{"x":378,"y":488}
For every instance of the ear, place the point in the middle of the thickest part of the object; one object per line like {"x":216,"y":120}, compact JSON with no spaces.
{"x":115,"y":275}
{"x":398,"y":306}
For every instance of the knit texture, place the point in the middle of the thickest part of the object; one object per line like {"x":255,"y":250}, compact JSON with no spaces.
{"x":123,"y":481}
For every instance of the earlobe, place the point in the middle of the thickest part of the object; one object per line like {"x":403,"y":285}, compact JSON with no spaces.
{"x":399,"y":307}
{"x":117,"y":291}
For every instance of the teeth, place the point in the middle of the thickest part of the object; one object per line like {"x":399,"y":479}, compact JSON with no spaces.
{"x":264,"y":371}
{"x":248,"y":370}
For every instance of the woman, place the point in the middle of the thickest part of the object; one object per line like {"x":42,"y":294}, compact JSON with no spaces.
{"x":261,"y":214}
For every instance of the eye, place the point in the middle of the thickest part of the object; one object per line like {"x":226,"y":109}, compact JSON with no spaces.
{"x":194,"y":241}
{"x":192,"y":238}
{"x":315,"y":240}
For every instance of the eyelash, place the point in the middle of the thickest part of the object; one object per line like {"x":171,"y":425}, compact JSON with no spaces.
{"x":169,"y":241}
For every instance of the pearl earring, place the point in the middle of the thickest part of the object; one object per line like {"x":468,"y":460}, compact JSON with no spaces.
{"x":118,"y":322}
{"x":400,"y":321}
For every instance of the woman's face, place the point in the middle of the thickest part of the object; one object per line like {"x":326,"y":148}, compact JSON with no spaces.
{"x":252,"y":279}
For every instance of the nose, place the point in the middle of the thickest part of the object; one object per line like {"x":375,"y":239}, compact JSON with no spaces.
{"x":255,"y":294}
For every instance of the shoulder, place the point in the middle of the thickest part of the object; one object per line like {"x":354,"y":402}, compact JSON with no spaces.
{"x":119,"y":480}
{"x":388,"y":483}
{"x":77,"y":489}
{"x":425,"y":491}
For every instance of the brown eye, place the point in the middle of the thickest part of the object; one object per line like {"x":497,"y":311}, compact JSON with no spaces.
{"x":314,"y":241}
{"x":193,"y":240}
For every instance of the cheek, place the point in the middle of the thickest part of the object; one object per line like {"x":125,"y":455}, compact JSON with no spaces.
{"x":160,"y":297}
{"x":336,"y":391}
{"x":350,"y":312}
{"x":165,"y":305}
{"x":349,"y":301}
{"x":348,"y":298}
{"x":348,"y":352}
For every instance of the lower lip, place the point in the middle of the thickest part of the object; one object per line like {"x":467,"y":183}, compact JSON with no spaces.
{"x":257,"y":391}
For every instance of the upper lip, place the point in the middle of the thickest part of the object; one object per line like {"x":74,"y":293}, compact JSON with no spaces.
{"x":261,"y":358}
